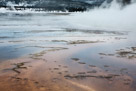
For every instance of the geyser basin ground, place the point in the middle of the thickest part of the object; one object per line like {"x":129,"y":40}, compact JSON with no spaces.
{"x":52,"y":52}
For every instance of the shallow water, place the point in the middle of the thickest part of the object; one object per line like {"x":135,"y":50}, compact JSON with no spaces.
{"x":23,"y":34}
{"x":20,"y":31}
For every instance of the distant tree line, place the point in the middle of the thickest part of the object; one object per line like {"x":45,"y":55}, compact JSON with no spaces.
{"x":61,"y":5}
